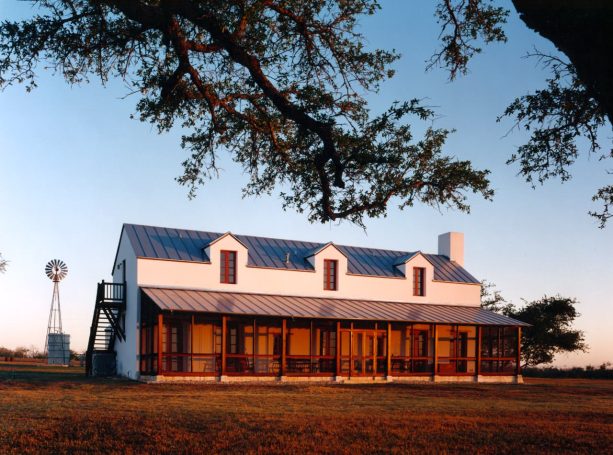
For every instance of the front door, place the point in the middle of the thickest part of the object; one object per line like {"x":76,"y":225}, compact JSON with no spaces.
{"x":364,"y":353}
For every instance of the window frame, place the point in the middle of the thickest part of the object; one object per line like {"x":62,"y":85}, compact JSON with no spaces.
{"x":419,"y":281}
{"x":330,"y":285}
{"x":224,"y":266}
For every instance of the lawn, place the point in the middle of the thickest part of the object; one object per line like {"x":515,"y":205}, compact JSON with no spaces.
{"x":58,"y":410}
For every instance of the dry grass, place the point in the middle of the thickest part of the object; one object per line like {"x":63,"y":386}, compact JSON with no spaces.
{"x":57,"y":410}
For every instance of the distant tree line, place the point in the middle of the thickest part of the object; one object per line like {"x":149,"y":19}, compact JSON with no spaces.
{"x":604,"y":371}
{"x":22,"y":352}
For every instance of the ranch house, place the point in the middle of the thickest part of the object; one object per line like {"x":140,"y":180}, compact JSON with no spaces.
{"x":191,"y":305}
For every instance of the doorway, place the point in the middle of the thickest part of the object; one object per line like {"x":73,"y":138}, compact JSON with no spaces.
{"x":363,"y":352}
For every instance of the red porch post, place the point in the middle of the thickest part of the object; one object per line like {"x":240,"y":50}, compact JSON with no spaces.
{"x":191,"y":346}
{"x":338,"y":348}
{"x":224,"y":329}
{"x":435,"y":352}
{"x":478,"y":366}
{"x":255,"y":340}
{"x":375,"y":350}
{"x":518,"y":365}
{"x":350,"y":349}
{"x":160,"y":339}
{"x":389,"y":349}
{"x":311,"y":344}
{"x":283,"y":346}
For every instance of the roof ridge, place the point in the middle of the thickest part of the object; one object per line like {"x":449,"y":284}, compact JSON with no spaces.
{"x":317,"y":243}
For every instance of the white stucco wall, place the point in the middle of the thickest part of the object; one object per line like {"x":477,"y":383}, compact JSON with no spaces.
{"x":191,"y":275}
{"x":127,"y":351}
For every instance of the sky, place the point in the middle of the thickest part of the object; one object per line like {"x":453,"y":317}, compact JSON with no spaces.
{"x":74,"y":167}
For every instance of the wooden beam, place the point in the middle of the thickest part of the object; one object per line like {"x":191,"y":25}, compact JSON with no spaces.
{"x":142,"y":336}
{"x":435,"y":365}
{"x":374,"y":351}
{"x":253,"y":343}
{"x":160,"y":339}
{"x":350,"y":349}
{"x":389,"y":349}
{"x":518,"y":366}
{"x":224,"y":329}
{"x":151,"y":346}
{"x":283,"y":347}
{"x":191,"y":346}
{"x":338,"y":348}
{"x":311,"y":347}
{"x":478,"y":347}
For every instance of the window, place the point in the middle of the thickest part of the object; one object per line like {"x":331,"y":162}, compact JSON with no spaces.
{"x":456,"y":350}
{"x":498,"y":350}
{"x":227,"y":268}
{"x":412,"y":349}
{"x":330,"y":275}
{"x":420,"y":343}
{"x":419,"y":281}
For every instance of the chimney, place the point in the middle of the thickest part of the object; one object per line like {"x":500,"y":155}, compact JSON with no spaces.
{"x":451,"y":244}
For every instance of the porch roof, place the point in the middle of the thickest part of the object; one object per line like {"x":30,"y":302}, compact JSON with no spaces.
{"x":238,"y":303}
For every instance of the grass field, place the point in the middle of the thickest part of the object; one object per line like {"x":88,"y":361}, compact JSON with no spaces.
{"x":58,"y":410}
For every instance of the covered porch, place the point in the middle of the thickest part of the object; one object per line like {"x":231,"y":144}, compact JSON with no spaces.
{"x":229,"y":335}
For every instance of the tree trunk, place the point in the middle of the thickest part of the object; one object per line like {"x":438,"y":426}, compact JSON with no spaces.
{"x":583,"y":30}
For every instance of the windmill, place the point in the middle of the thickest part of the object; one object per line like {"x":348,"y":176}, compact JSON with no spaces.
{"x":57,"y":343}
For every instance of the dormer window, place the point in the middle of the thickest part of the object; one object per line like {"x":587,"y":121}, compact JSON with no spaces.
{"x":227,"y":268}
{"x":419,"y":281}
{"x":330,"y":275}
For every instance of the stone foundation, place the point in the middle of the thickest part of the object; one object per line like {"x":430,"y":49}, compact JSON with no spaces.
{"x":334,"y":379}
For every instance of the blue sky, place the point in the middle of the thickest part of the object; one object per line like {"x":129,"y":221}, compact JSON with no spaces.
{"x":74,"y":167}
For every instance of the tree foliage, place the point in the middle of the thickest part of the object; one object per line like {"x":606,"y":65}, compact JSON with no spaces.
{"x":578,"y":97}
{"x":278,"y":84}
{"x":491,"y":298}
{"x":3,"y":264}
{"x":281,"y":86}
{"x":465,"y":26}
{"x":550,"y":318}
{"x":551,"y":331}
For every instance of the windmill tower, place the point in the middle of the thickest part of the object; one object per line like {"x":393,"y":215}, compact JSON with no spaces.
{"x":57,"y":343}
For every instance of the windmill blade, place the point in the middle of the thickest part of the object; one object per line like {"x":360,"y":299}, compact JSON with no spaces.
{"x":56,"y":269}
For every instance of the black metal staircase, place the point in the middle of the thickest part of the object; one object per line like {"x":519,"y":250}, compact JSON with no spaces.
{"x":107,"y":323}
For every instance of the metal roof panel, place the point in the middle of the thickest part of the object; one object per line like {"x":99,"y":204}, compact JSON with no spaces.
{"x":181,"y":244}
{"x":318,"y":307}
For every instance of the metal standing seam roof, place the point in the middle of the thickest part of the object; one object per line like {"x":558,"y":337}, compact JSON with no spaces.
{"x":187,"y":245}
{"x":320,"y":308}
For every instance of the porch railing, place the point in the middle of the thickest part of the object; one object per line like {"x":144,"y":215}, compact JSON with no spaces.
{"x":307,"y":364}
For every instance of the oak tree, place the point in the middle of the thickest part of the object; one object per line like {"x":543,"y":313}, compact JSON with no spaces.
{"x":577,"y":100}
{"x":281,"y":85}
{"x":551,"y":321}
{"x":278,"y":84}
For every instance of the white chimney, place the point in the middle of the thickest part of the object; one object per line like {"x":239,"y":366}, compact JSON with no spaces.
{"x":451,"y":244}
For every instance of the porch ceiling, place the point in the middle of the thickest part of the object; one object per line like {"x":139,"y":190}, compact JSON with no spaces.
{"x":319,"y":308}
